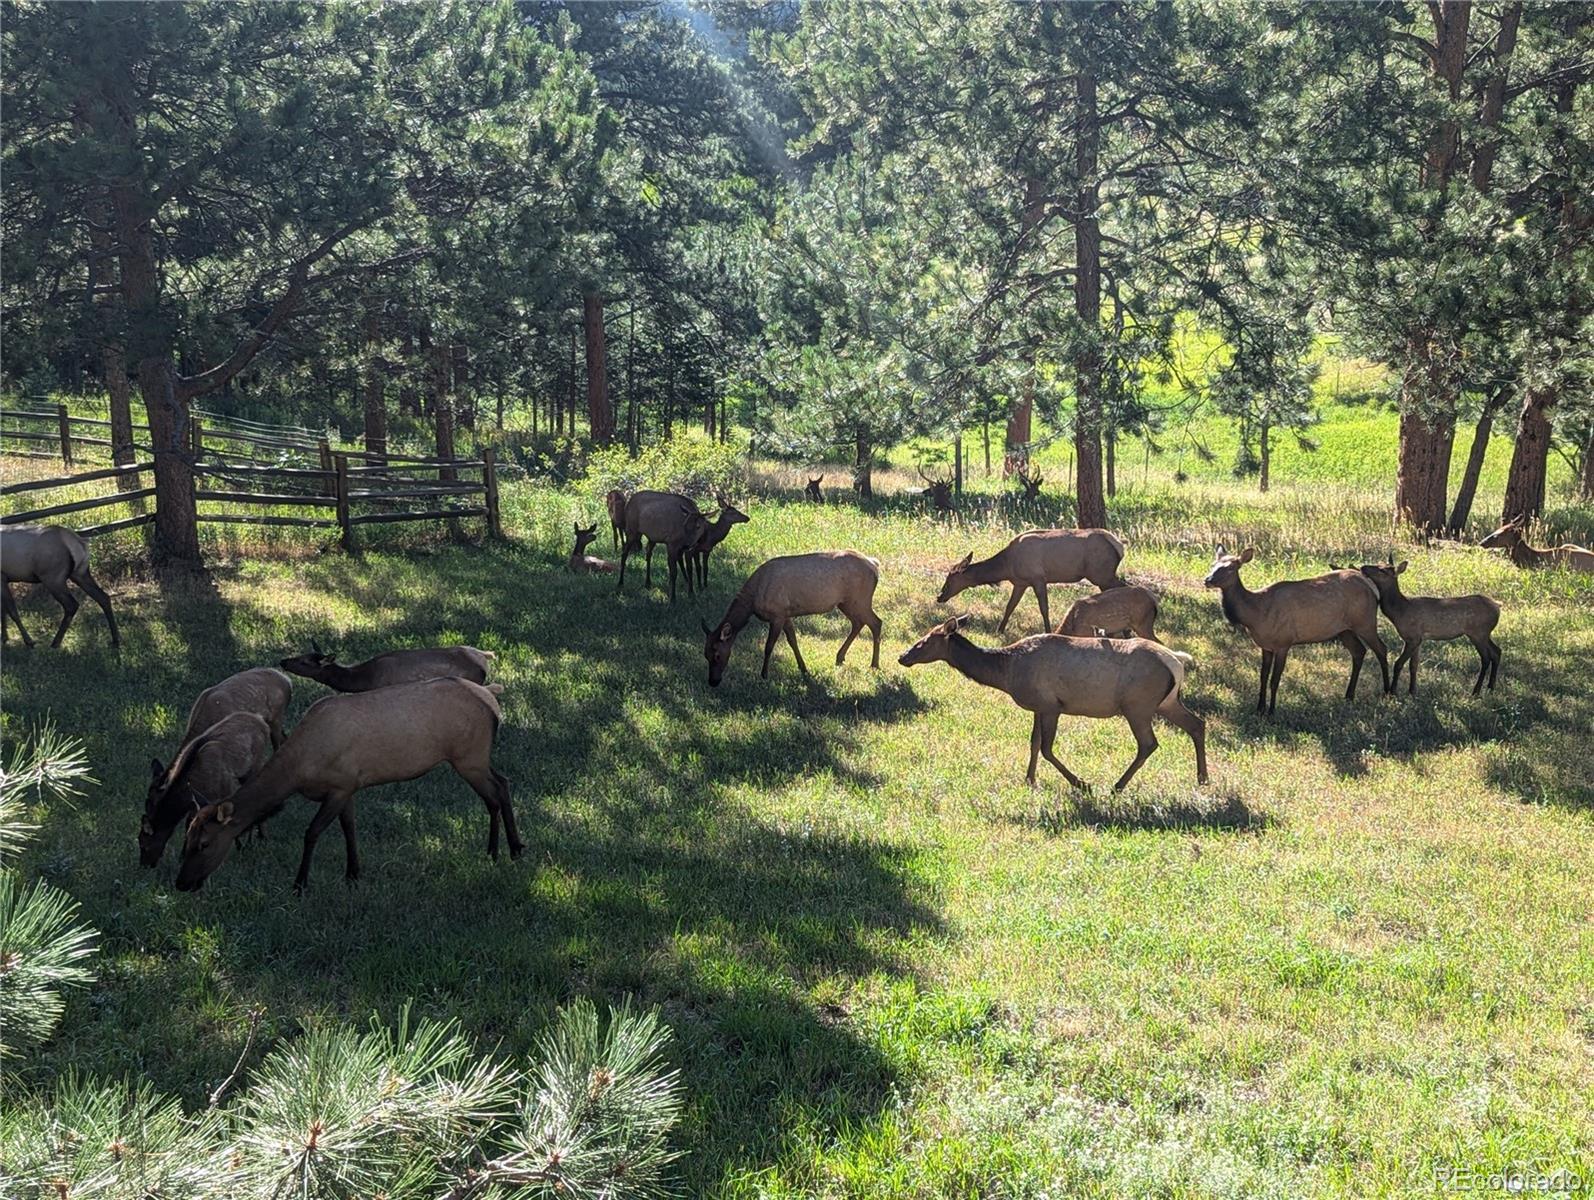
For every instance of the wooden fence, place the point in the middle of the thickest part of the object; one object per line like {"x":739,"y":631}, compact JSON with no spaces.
{"x":56,"y":433}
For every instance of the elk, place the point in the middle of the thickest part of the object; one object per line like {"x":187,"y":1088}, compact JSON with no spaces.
{"x":1031,"y":485}
{"x":714,"y":533}
{"x":1419,"y":618}
{"x":213,"y":765}
{"x":662,"y":518}
{"x":394,"y":667}
{"x":798,"y":585}
{"x":812,"y":493}
{"x":1512,"y":537}
{"x":263,"y":691}
{"x":350,"y":742}
{"x":586,"y":564}
{"x":939,"y":492}
{"x":1119,"y":612}
{"x":1342,"y":606}
{"x":615,"y":503}
{"x":51,"y":556}
{"x":1052,"y":676}
{"x":1040,"y":557}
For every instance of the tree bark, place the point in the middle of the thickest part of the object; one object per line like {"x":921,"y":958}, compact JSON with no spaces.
{"x":465,"y":395}
{"x":863,"y":468}
{"x":1090,"y":505}
{"x":1481,"y":433}
{"x":1494,"y":97}
{"x":374,"y":402}
{"x":1585,"y":480}
{"x":1263,"y":478}
{"x":1020,"y":422}
{"x":442,"y":407}
{"x":1111,"y":440}
{"x":1530,"y":458}
{"x":598,"y":413}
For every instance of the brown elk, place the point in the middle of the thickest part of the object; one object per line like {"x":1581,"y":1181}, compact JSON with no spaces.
{"x":811,"y":493}
{"x":394,"y":667}
{"x":1118,"y":612}
{"x":939,"y":492}
{"x":1512,"y":538}
{"x":1031,"y":485}
{"x":1340,"y":606}
{"x":1038,"y":558}
{"x":1054,"y":676}
{"x":210,"y":767}
{"x":586,"y":564}
{"x":662,"y":518}
{"x":714,"y":533}
{"x":615,"y":503}
{"x":350,"y":742}
{"x":798,"y":585}
{"x":1420,"y":618}
{"x":263,"y":691}
{"x":51,"y":556}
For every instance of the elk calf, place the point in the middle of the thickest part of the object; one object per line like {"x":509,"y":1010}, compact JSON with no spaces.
{"x":1040,"y":557}
{"x":263,"y":691}
{"x":1117,"y":613}
{"x":1420,"y":618}
{"x":798,"y":585}
{"x":1053,"y":676}
{"x":349,"y":742}
{"x":812,"y":494}
{"x":209,"y":768}
{"x":1342,"y":606}
{"x":51,"y":556}
{"x":615,"y":503}
{"x":1512,"y":538}
{"x":394,"y":667}
{"x":585,"y":564}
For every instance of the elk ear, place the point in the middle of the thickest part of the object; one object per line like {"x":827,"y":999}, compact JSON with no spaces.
{"x":156,"y":770}
{"x":1402,"y":567}
{"x":1248,"y":555}
{"x":1222,"y":549}
{"x":725,"y":632}
{"x":963,"y":563}
{"x":224,"y":813}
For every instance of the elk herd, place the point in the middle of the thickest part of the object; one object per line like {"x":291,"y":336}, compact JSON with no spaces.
{"x":400,"y":714}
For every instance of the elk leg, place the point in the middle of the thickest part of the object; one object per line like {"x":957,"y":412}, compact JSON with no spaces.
{"x":1012,"y":603}
{"x":625,"y":553}
{"x":68,"y":602}
{"x":516,"y":846}
{"x":1273,"y":686}
{"x":493,"y":788}
{"x":769,"y":647}
{"x":1400,"y":661}
{"x":1146,"y":744}
{"x":1034,"y":749}
{"x":97,"y":594}
{"x":647,"y":579}
{"x":1048,"y":733}
{"x":330,"y":806}
{"x":1494,"y":664}
{"x":674,"y":560}
{"x":16,"y":617}
{"x":875,"y":627}
{"x":1357,"y":652}
{"x":791,"y":640}
{"x":841,"y":655}
{"x":1173,"y":711}
{"x":1411,"y":689}
{"x":1373,"y":642}
{"x":1267,"y":669}
{"x":1046,"y":616}
{"x":351,"y":848}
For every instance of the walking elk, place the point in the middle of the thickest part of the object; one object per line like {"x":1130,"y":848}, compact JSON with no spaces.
{"x":53,"y":557}
{"x":1421,"y":618}
{"x":1040,"y":557}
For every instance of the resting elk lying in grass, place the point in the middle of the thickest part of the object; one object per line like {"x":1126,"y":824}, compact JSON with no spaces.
{"x":661,"y":518}
{"x":1119,"y":612}
{"x":1038,"y":558}
{"x":1052,"y":676}
{"x":394,"y":667}
{"x":715,"y":532}
{"x":1512,"y":538}
{"x":349,"y":742}
{"x":51,"y":556}
{"x":812,"y":494}
{"x":1342,"y":605}
{"x":210,"y":767}
{"x":263,"y":691}
{"x":1420,"y":618}
{"x":798,"y":585}
{"x":585,"y":564}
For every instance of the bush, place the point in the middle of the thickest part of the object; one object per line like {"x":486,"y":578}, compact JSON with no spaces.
{"x":691,"y":466}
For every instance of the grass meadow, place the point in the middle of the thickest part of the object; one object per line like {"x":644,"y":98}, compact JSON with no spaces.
{"x":1363,"y":955}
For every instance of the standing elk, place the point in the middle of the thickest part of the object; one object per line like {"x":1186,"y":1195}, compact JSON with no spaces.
{"x":1512,"y":538}
{"x":347,"y":743}
{"x":1038,"y":558}
{"x":1420,"y":618}
{"x":811,"y":493}
{"x":939,"y":492}
{"x":1340,"y":606}
{"x":714,"y":533}
{"x":661,"y":518}
{"x":798,"y":585}
{"x":1118,"y":612}
{"x":263,"y":691}
{"x":1053,"y":676}
{"x":586,"y":564}
{"x":51,"y":556}
{"x":394,"y":667}
{"x":615,"y":503}
{"x":209,"y":768}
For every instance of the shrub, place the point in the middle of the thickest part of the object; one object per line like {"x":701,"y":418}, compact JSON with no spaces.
{"x":691,"y":466}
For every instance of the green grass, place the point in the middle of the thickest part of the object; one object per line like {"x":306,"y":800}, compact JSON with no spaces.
{"x":1362,"y":954}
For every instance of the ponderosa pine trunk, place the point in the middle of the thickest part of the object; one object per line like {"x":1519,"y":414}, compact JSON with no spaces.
{"x":863,"y":467}
{"x":442,"y":407}
{"x":464,"y":393}
{"x":1264,"y":474}
{"x":374,"y":402}
{"x":1090,"y":505}
{"x":1530,"y":457}
{"x":1020,"y":422}
{"x":598,"y":413}
{"x":1111,"y":440}
{"x":1481,"y":433}
{"x":1585,"y":479}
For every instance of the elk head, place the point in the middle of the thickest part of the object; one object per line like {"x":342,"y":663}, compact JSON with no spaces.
{"x":934,"y":646}
{"x":939,"y":492}
{"x":211,"y":835}
{"x":717,"y":645}
{"x":812,"y":490}
{"x":584,"y":538}
{"x":954,"y":581}
{"x":1031,"y":484}
{"x":311,"y":665}
{"x":1226,"y":567}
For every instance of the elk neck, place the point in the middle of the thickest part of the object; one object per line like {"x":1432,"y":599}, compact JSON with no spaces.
{"x":989,"y":667}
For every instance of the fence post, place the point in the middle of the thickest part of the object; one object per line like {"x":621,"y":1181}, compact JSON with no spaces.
{"x":66,"y":433}
{"x":326,"y":463}
{"x":341,"y":485}
{"x":490,"y":477}
{"x":199,"y":438}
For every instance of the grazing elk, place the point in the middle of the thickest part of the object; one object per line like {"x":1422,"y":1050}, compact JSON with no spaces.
{"x":209,"y":768}
{"x":939,"y":492}
{"x":1053,"y":676}
{"x":661,"y":518}
{"x":586,"y":564}
{"x":394,"y":667}
{"x":349,"y":742}
{"x":1512,"y":538}
{"x":263,"y":691}
{"x":1119,"y":612}
{"x":1038,"y":558}
{"x":1342,"y":606}
{"x":798,"y":585}
{"x":51,"y":556}
{"x":1419,"y":618}
{"x":812,"y":494}
{"x":714,"y":533}
{"x":615,"y":503}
